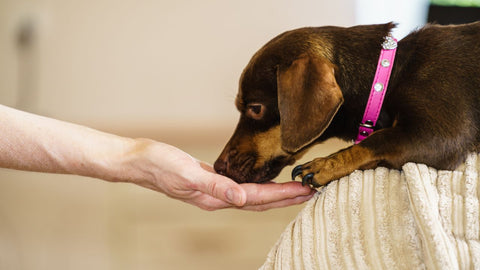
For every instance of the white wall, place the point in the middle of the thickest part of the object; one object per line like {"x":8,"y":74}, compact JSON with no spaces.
{"x":143,"y":63}
{"x":408,"y":14}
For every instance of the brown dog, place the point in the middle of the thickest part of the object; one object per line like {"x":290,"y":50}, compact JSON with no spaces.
{"x":311,"y":84}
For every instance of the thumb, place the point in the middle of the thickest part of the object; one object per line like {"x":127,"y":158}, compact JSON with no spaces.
{"x":224,"y":189}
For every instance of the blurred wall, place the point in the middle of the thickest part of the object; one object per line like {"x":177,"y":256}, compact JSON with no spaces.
{"x":141,"y":63}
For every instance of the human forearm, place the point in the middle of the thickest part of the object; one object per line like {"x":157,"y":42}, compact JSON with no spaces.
{"x":36,"y":143}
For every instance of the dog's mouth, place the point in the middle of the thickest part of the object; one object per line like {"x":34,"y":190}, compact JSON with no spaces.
{"x":245,"y":171}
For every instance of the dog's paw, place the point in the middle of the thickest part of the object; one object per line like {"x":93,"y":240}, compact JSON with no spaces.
{"x":315,"y":173}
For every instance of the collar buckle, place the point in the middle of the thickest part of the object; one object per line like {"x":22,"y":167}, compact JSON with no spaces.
{"x":367,"y":124}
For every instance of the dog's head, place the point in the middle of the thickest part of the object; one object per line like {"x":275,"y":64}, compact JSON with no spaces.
{"x":287,"y":97}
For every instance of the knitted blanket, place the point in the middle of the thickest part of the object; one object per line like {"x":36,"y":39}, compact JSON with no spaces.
{"x":417,"y":218}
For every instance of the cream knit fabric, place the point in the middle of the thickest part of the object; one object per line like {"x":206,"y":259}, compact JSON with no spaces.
{"x":417,"y":218}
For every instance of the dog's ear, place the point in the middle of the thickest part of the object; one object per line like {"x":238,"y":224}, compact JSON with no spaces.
{"x":308,"y":99}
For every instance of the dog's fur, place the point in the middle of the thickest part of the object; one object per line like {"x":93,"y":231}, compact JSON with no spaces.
{"x":311,"y":84}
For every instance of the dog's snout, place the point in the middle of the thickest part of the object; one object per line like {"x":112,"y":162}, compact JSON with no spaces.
{"x":220,"y":166}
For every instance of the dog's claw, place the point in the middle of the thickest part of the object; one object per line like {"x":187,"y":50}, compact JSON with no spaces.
{"x":307,"y":179}
{"x":296,"y":171}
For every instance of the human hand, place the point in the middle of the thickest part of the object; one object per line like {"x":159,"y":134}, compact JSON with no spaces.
{"x":180,"y":176}
{"x":37,"y":143}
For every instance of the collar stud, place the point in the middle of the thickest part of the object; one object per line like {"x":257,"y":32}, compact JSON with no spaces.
{"x":385,"y":63}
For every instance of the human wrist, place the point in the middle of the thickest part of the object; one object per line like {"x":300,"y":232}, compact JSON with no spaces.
{"x":131,"y":164}
{"x":112,"y":160}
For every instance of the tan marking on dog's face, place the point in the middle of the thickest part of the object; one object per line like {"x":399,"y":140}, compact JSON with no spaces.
{"x":268,"y":146}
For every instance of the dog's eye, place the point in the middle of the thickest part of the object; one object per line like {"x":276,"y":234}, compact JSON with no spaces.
{"x":255,"y":110}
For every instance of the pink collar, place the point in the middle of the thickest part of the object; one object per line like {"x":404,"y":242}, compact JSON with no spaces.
{"x":379,"y":88}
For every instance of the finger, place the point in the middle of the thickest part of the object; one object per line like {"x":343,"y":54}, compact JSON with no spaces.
{"x":222,"y":188}
{"x":209,"y":203}
{"x":278,"y":204}
{"x":272,"y":192}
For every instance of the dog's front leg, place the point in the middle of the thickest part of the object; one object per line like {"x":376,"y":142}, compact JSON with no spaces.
{"x":391,"y":147}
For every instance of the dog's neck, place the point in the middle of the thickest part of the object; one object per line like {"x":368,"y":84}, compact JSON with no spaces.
{"x":357,"y":56}
{"x":356,"y":60}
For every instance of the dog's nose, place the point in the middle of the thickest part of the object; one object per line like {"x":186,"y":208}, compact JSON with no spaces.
{"x":220,"y":166}
{"x":222,"y":163}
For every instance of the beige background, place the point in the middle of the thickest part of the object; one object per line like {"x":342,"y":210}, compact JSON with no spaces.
{"x":167,"y":70}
